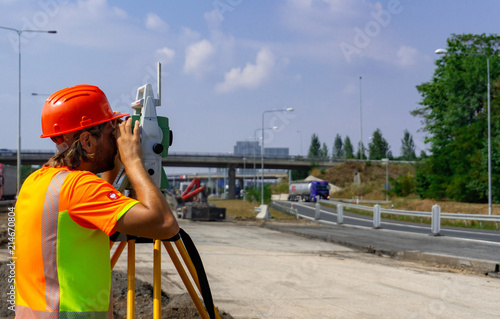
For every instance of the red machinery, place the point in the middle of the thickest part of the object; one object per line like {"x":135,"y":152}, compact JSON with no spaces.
{"x":191,"y":206}
{"x":190,"y":193}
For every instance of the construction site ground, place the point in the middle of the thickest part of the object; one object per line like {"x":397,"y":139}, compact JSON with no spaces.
{"x":257,"y":272}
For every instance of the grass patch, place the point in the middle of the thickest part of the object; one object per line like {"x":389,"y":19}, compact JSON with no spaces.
{"x":237,"y":209}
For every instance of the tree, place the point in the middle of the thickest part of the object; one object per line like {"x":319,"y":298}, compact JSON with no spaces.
{"x":453,"y":112}
{"x":323,"y":152}
{"x":378,"y":148}
{"x":348,"y":148}
{"x":338,"y":149}
{"x":361,"y":149}
{"x":314,"y":149}
{"x":408,"y":147}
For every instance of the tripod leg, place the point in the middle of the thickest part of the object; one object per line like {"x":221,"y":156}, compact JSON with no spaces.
{"x":189,"y":286}
{"x":157,"y":279}
{"x":117,"y":253}
{"x":187,"y":260}
{"x":131,"y":279}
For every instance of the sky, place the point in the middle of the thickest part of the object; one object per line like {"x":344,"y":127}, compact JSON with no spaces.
{"x":344,"y":66}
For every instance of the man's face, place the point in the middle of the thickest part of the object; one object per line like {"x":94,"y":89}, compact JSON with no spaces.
{"x":106,"y":149}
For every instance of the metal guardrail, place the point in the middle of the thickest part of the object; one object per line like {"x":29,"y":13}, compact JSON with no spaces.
{"x":453,"y":216}
{"x":435,"y":216}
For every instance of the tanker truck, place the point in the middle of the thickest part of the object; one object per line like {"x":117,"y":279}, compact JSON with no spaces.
{"x":307,"y":191}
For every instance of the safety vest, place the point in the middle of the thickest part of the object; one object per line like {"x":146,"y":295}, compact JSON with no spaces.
{"x":63,"y":269}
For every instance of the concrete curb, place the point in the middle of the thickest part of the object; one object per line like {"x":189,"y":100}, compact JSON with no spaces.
{"x":475,"y":265}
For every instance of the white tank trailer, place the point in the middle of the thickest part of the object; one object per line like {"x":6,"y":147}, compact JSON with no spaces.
{"x":307,"y":191}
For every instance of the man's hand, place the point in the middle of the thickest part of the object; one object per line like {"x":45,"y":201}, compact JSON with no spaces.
{"x":129,"y":143}
{"x":151,"y":217}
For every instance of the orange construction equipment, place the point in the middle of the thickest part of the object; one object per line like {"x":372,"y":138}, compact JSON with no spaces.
{"x":189,"y":193}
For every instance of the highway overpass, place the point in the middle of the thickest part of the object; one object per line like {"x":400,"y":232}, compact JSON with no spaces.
{"x":217,"y":160}
{"x":212,"y":160}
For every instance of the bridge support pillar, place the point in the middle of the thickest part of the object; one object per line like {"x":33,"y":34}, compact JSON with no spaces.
{"x":231,"y":176}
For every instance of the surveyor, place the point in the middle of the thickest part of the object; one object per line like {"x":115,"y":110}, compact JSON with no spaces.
{"x":65,"y":212}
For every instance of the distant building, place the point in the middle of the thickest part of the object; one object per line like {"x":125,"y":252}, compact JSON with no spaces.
{"x":276,"y":151}
{"x":247,"y":148}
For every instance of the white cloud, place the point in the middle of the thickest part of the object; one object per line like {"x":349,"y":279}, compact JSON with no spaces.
{"x":165,"y":55}
{"x":252,"y":76}
{"x":406,"y":56}
{"x":214,"y":19}
{"x":155,"y":23}
{"x":198,"y":58}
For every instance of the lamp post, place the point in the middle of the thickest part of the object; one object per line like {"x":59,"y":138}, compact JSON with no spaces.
{"x":386,"y":161}
{"x":444,"y":51}
{"x":262,"y":152}
{"x":255,"y":151}
{"x":19,"y":32}
{"x":360,"y":122}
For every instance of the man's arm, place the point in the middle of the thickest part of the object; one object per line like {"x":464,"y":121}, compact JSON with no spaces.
{"x":151,"y":217}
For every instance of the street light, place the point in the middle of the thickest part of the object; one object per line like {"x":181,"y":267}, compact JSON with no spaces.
{"x":255,"y":151}
{"x":360,"y":122}
{"x":262,"y":153}
{"x":19,"y":32}
{"x":444,"y":51}
{"x":386,"y":187}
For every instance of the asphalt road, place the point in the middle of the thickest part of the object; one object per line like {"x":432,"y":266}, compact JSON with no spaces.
{"x":461,"y":246}
{"x":256,"y":272}
{"x":330,"y":214}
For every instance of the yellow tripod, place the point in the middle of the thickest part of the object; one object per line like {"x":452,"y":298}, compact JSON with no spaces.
{"x":156,"y":137}
{"x":197,"y":273}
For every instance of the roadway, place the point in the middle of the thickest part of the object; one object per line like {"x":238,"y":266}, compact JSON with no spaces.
{"x":255,"y":272}
{"x":461,"y":245}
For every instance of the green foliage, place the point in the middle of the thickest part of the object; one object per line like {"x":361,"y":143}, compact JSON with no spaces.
{"x":254,"y":194}
{"x":378,"y":148}
{"x":408,"y":147}
{"x":315,"y":147}
{"x":323,"y":153}
{"x":338,"y":147}
{"x":348,"y":148}
{"x":362,"y":148}
{"x":454,"y":114}
{"x":404,"y":185}
{"x":298,"y":175}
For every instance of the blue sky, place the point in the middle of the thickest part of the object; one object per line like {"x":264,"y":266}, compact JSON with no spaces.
{"x":225,"y":62}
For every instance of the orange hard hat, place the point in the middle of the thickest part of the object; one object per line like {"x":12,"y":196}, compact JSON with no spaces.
{"x":75,"y":108}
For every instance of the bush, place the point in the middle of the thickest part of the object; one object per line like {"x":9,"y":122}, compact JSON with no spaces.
{"x":404,"y":185}
{"x":254,"y":194}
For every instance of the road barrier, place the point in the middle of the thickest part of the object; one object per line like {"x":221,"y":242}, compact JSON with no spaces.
{"x":436,"y":216}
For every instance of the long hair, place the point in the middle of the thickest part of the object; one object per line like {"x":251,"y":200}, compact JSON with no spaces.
{"x":73,"y":156}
